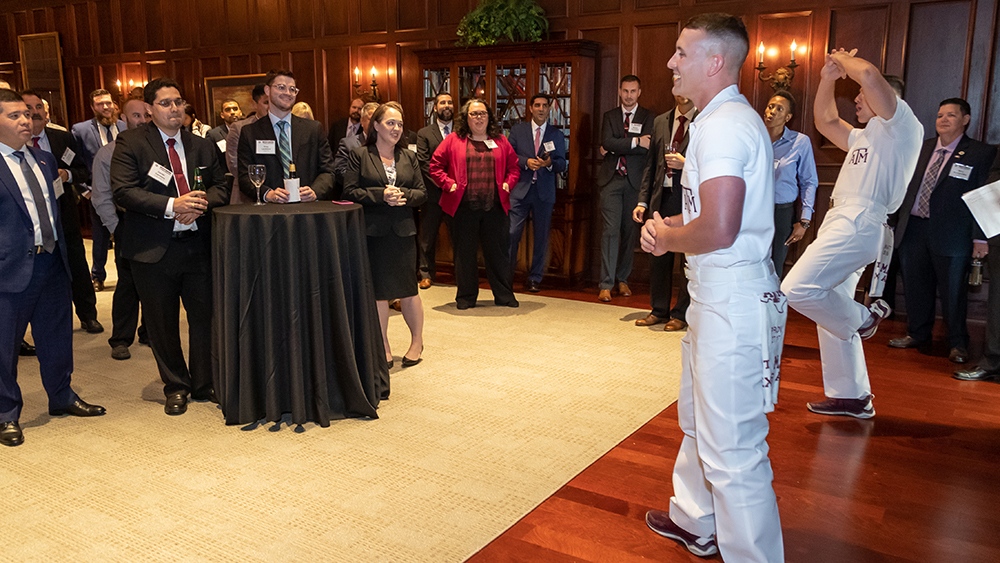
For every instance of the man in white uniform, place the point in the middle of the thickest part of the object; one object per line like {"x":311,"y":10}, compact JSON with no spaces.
{"x":723,"y":499}
{"x":872,"y":182}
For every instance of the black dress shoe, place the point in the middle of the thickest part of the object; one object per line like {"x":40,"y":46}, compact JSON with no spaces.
{"x":905,"y":342}
{"x":177,"y":403}
{"x":512,"y":303}
{"x":206,"y":396}
{"x":98,"y":285}
{"x":958,"y":355}
{"x":534,"y":287}
{"x":975,"y":374}
{"x":26,"y":349}
{"x":79,"y":408}
{"x":10,"y":433}
{"x":121,"y":352}
{"x":92,"y":326}
{"x":463,"y":306}
{"x":408,"y":363}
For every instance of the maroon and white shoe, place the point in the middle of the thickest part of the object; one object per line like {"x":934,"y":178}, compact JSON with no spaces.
{"x":880,"y":311}
{"x":659,"y":521}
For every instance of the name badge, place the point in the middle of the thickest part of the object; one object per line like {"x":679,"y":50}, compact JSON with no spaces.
{"x":960,"y":171}
{"x":68,"y":155}
{"x":222,"y":145}
{"x":160,"y":173}
{"x":266,"y":147}
{"x":412,"y":147}
{"x":491,"y":144}
{"x":635,"y":128}
{"x":549,"y":146}
{"x":57,"y":186}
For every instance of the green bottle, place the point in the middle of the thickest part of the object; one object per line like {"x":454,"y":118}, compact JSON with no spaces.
{"x":199,"y":185}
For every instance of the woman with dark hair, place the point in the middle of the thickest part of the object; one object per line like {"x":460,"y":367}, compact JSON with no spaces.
{"x":385,"y":177}
{"x":476,"y":167}
{"x":191,"y":122}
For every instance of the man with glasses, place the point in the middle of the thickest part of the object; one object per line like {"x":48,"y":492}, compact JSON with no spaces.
{"x":282,"y":139}
{"x":166,"y":236}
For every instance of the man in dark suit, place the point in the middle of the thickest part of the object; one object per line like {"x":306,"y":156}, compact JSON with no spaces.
{"x":91,"y":135}
{"x":431,"y":214}
{"x":34,"y":273}
{"x":348,"y":126}
{"x":73,"y":172}
{"x":989,"y":366}
{"x":166,"y":235}
{"x":661,"y":191}
{"x":342,"y":154}
{"x":625,"y":138}
{"x":541,"y":156}
{"x":279,"y":139}
{"x":935,"y":230}
{"x":230,"y":114}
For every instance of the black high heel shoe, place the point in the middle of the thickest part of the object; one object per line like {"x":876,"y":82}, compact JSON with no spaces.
{"x":407,"y":362}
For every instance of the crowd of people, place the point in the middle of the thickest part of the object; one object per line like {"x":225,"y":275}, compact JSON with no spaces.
{"x":711,"y":183}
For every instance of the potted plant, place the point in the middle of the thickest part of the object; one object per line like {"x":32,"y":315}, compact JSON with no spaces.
{"x":493,"y":21}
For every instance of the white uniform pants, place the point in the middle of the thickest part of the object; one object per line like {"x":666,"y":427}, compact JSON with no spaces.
{"x":722,"y":477}
{"x":821,"y":286}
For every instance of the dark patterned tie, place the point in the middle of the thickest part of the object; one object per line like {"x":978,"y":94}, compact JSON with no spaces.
{"x":41,"y":208}
{"x":675,"y":146}
{"x":175,"y":163}
{"x":621,"y":159}
{"x":927,"y":186}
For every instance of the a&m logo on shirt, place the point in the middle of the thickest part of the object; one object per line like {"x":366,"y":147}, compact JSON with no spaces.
{"x":690,"y":204}
{"x":859,"y":156}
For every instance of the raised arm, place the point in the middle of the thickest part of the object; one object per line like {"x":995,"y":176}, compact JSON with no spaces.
{"x":828,"y":121}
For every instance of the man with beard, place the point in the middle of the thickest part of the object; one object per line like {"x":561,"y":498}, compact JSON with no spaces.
{"x":279,"y":139}
{"x":431,"y":215}
{"x":72,"y":172}
{"x":880,"y":161}
{"x":348,"y":126}
{"x":125,"y":303}
{"x":34,"y":273}
{"x":91,"y":135}
{"x":166,"y":235}
{"x":230,"y":114}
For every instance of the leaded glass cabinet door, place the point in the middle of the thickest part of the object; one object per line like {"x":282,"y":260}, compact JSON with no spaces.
{"x":556,"y":80}
{"x":436,"y":81}
{"x":471,"y":84}
{"x":511,"y":94}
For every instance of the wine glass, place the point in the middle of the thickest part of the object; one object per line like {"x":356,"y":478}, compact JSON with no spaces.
{"x":257,"y":173}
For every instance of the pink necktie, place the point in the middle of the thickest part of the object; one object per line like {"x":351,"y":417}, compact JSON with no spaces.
{"x":621,"y":160}
{"x":538,"y":140}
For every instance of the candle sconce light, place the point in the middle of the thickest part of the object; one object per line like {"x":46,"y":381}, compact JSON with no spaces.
{"x":368,"y":95}
{"x":780,"y":79}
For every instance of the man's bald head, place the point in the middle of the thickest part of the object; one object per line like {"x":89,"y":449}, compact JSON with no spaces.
{"x":726,"y":36}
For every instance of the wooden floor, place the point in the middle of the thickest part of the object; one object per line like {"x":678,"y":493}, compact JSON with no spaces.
{"x":918,"y":483}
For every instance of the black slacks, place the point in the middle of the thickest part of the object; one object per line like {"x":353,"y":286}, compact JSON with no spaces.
{"x":473,"y":228}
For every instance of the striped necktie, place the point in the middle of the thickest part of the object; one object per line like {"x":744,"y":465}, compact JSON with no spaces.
{"x":284,"y":147}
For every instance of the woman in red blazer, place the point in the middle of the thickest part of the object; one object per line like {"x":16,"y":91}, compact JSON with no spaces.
{"x":475,"y":167}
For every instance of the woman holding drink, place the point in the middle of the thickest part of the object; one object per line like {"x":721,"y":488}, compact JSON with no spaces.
{"x":385,"y":178}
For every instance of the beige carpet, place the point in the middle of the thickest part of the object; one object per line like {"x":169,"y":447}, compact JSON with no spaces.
{"x":507,"y":406}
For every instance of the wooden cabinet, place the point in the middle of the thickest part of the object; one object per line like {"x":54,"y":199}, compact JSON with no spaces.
{"x":506,"y":76}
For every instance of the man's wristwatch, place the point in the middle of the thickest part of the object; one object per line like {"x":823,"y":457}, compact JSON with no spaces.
{"x":805,"y":223}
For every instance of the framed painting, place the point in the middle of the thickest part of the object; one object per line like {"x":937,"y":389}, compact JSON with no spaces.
{"x":238,"y":87}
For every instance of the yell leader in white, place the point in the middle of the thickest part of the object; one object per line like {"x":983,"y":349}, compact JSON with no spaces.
{"x":723,"y":499}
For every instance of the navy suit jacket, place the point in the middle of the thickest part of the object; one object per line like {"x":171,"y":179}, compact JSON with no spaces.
{"x":17,"y":234}
{"x":89,"y":139}
{"x":951,"y":223}
{"x":618,"y":142}
{"x":523,"y":141}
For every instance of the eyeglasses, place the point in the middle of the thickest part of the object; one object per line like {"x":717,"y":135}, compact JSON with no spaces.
{"x":165,"y":104}
{"x":479,"y":114}
{"x":283,"y":88}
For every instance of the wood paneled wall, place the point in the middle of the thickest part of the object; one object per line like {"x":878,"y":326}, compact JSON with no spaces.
{"x":942,"y":48}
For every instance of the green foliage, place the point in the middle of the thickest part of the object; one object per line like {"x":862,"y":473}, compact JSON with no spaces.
{"x":494,"y":21}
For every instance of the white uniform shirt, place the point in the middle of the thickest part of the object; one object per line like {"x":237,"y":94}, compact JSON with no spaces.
{"x":728,"y":138}
{"x":881,"y":159}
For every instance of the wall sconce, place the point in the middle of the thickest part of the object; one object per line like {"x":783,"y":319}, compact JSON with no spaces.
{"x":370,"y":95}
{"x":780,"y":79}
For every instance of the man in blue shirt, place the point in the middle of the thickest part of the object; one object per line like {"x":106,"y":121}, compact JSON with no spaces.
{"x":794,"y":177}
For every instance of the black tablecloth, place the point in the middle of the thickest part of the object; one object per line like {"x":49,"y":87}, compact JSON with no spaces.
{"x":295,"y":326}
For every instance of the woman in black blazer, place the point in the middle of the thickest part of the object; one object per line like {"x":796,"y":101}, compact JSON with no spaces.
{"x":385,"y":177}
